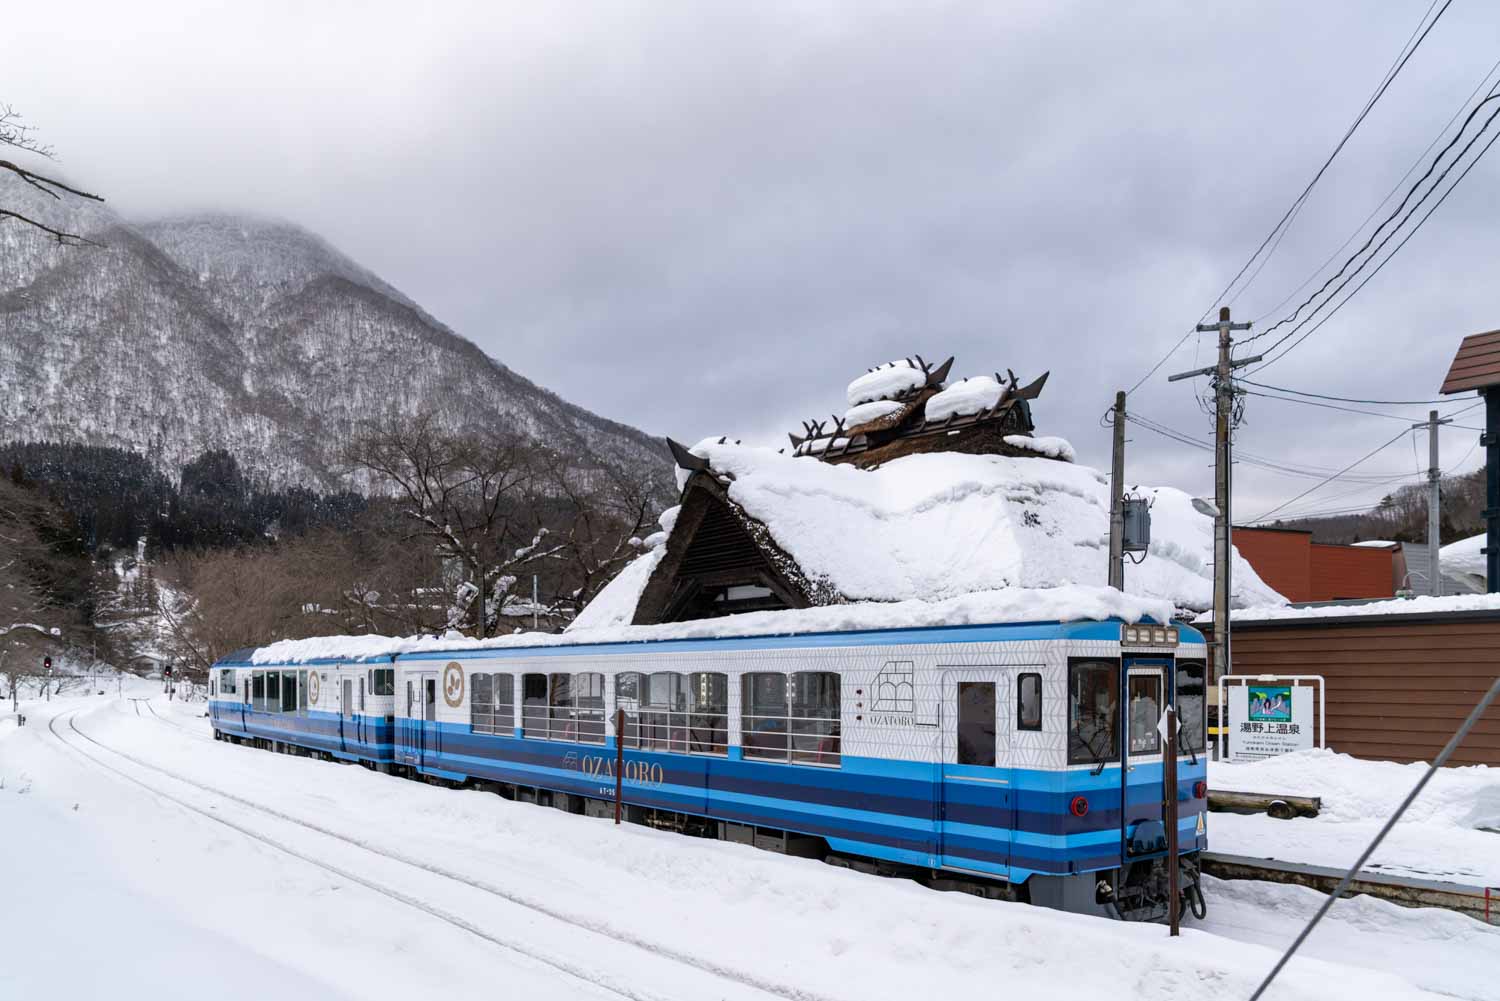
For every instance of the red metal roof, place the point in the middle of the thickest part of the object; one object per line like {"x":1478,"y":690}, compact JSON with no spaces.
{"x":1476,"y":364}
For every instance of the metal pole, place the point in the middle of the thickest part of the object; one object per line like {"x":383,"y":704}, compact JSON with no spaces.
{"x":1169,"y":794}
{"x":619,"y":761}
{"x":1434,"y":502}
{"x":1117,"y":500}
{"x":534,"y":615}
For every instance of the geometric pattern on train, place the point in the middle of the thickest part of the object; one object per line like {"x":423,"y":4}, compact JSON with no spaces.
{"x":1022,"y":749}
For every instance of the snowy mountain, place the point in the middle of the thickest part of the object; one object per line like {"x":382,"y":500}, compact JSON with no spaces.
{"x":256,"y":336}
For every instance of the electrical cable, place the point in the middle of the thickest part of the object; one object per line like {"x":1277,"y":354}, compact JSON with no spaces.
{"x":1411,"y":233}
{"x":1346,"y":399}
{"x":1356,"y":462}
{"x":1438,"y":762}
{"x":1332,"y":406}
{"x":1294,"y":316}
{"x":1407,"y":51}
{"x":1483,"y":82}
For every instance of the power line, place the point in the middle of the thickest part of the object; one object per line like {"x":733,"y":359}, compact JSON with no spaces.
{"x":1249,"y":458}
{"x":1170,"y":352}
{"x":1330,"y":406}
{"x":1411,"y":233}
{"x":1341,"y":472}
{"x":1438,"y":762}
{"x":1483,"y":82}
{"x":1345,"y":399}
{"x":1407,"y":51}
{"x":1294,"y":316}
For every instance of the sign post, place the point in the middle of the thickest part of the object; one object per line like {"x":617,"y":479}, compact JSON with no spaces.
{"x":619,"y":761}
{"x":1169,"y":812}
{"x":47,"y":684}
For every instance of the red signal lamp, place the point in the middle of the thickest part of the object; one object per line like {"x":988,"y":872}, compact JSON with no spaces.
{"x":1079,"y":807}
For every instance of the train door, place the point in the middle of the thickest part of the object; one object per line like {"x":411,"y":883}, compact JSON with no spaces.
{"x":976,"y":805}
{"x":1144,"y":700}
{"x":431,"y":739}
{"x":348,"y":740}
{"x":408,"y":727}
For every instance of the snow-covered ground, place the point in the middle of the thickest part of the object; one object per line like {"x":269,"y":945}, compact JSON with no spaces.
{"x":157,"y":863}
{"x":1441,"y":837}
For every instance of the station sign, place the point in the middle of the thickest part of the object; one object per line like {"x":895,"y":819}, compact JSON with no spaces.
{"x":1267,"y":718}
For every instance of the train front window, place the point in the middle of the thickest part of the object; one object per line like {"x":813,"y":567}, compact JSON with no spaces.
{"x":1145,"y":713}
{"x":1190,"y":696}
{"x":1093,"y":712}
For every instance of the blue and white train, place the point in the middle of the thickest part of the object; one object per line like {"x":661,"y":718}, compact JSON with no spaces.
{"x":1017,"y":760}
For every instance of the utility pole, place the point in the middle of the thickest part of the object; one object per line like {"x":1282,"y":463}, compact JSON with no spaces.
{"x":1117,"y":500}
{"x":1434,"y":502}
{"x":1224,"y":392}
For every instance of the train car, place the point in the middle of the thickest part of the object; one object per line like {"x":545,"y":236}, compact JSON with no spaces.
{"x":342,"y":709}
{"x":1018,"y":760}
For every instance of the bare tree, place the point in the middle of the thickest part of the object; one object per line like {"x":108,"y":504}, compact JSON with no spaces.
{"x":14,"y":133}
{"x":473,"y":497}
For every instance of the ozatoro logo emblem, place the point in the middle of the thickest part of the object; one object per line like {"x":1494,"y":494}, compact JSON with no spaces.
{"x":453,"y":684}
{"x":312,"y":687}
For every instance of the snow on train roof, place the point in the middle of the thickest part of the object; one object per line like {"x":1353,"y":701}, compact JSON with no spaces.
{"x":1070,"y":603}
{"x":936,"y":526}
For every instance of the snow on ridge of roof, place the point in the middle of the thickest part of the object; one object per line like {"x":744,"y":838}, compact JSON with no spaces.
{"x":874,"y":410}
{"x":1071,"y":603}
{"x":886,"y":381}
{"x":1375,"y":543}
{"x":935,"y":526}
{"x":964,"y":398}
{"x":1420,"y":605}
{"x":1051,"y":446}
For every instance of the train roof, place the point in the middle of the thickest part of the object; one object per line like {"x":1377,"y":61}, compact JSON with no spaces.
{"x":1072,"y":611}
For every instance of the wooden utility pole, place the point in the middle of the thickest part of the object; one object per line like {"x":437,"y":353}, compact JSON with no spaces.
{"x":1117,"y":499}
{"x":1434,"y":502}
{"x":1224,"y":392}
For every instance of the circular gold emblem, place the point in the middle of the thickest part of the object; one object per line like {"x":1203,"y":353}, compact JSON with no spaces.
{"x":312,"y":687}
{"x":453,"y":684}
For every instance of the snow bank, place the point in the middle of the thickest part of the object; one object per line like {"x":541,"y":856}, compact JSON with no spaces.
{"x":1465,"y":558}
{"x":607,"y":620}
{"x":964,"y":398}
{"x":874,"y":410}
{"x":891,"y":379}
{"x":1442,"y":836}
{"x":1050,"y":446}
{"x":1420,"y":605}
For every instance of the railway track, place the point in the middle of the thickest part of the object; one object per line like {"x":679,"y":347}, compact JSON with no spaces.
{"x":1479,"y":902}
{"x":601,"y":929}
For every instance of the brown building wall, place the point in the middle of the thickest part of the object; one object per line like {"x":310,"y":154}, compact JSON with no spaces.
{"x":1398,"y":686}
{"x":1282,"y":558}
{"x":1340,"y":572}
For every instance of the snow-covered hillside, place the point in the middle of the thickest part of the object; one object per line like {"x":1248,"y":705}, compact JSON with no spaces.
{"x":250,"y":335}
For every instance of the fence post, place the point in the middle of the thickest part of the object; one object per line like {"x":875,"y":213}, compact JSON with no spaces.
{"x":619,"y":760}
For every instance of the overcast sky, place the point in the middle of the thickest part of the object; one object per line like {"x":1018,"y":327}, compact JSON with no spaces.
{"x":708,"y":218}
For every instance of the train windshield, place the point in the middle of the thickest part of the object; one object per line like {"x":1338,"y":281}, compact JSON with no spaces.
{"x":1190,"y":696}
{"x":1093,"y":712}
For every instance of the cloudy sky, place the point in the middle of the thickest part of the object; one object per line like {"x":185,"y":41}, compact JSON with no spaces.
{"x":708,"y":218}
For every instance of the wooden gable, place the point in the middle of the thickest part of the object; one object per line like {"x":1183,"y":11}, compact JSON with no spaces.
{"x":719,"y":561}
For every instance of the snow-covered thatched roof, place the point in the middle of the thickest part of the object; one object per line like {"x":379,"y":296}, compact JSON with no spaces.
{"x":941,"y":526}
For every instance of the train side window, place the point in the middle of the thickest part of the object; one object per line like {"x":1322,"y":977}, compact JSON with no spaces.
{"x":289,"y":691}
{"x":258,"y":690}
{"x":1093,"y":711}
{"x":505,"y":704}
{"x":302,"y":693}
{"x":763,"y":716}
{"x":481,"y":703}
{"x":411,"y":700}
{"x":361,"y":694}
{"x":664,"y":715}
{"x":273,"y":691}
{"x":561,"y":708}
{"x":1190,"y":696}
{"x":533,"y":705}
{"x":226,"y":682}
{"x":628,"y":698}
{"x":383,"y":681}
{"x":708,"y":724}
{"x":212,"y":687}
{"x":816,"y":718}
{"x":1029,"y":702}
